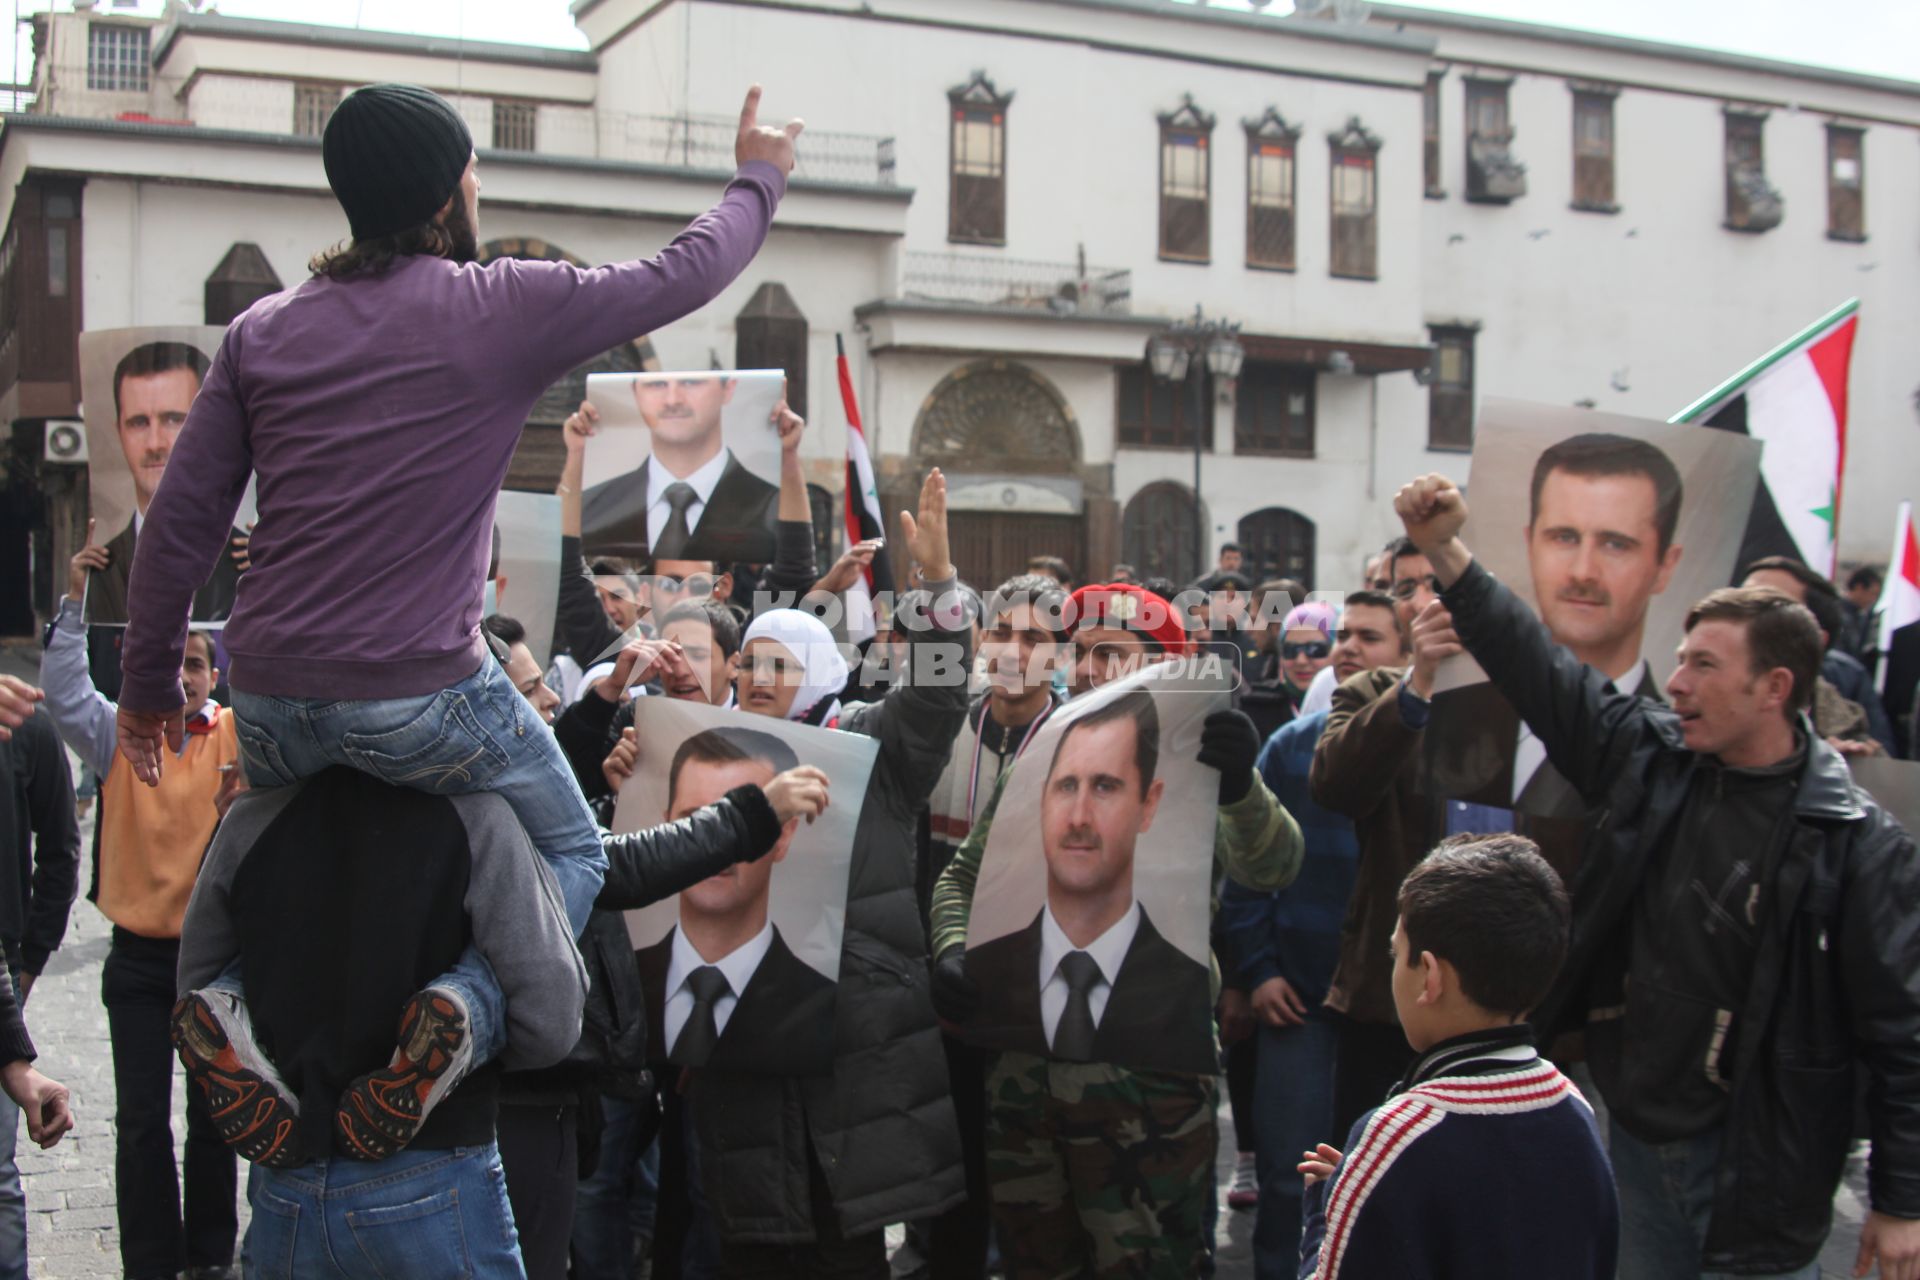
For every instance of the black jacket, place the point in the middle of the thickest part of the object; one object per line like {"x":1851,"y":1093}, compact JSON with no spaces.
{"x":881,"y":1125}
{"x":736,"y":523}
{"x":781,"y":1024}
{"x":39,"y":843}
{"x":1836,"y":972}
{"x":1159,"y":1013}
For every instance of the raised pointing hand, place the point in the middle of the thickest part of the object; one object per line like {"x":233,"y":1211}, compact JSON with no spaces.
{"x":756,"y":141}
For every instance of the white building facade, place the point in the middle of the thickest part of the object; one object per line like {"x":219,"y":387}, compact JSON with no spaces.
{"x":997,"y":205}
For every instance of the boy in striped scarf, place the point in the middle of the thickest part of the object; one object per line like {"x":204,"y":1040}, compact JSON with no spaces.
{"x":1484,"y":1162}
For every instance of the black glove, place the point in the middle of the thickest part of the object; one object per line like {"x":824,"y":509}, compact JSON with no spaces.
{"x":1231,"y":744}
{"x":955,"y":995}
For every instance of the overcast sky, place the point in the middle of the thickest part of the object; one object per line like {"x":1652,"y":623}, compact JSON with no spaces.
{"x":1881,"y":37}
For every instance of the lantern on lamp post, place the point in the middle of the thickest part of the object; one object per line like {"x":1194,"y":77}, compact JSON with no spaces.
{"x":1195,"y":350}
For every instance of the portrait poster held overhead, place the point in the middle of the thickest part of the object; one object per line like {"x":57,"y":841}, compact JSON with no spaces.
{"x":685,"y":466}
{"x":772,"y":927}
{"x":1088,"y":936}
{"x":1610,"y":527}
{"x":526,"y":581}
{"x":137,"y":386}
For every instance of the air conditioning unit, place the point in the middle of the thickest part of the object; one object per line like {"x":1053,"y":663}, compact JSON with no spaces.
{"x":66,"y":442}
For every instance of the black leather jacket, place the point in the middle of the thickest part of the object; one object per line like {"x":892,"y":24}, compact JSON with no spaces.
{"x":1836,"y":976}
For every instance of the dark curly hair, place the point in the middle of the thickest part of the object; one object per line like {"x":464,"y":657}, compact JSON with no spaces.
{"x":456,"y":239}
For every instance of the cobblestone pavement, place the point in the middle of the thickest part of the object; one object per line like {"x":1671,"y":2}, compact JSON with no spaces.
{"x":71,"y":1232}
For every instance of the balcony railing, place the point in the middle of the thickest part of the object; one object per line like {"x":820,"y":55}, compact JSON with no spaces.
{"x":688,"y":141}
{"x":1064,"y":288}
{"x":706,"y":142}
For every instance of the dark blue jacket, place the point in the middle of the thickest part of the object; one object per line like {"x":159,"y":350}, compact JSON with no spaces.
{"x":1293,"y":933}
{"x":1485,"y":1164}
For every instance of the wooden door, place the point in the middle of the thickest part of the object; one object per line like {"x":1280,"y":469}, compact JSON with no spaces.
{"x":989,"y":547}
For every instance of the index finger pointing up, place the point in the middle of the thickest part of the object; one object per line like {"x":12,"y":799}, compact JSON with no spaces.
{"x":750,"y":110}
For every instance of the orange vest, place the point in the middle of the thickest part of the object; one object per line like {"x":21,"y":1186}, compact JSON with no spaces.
{"x":153,"y":838}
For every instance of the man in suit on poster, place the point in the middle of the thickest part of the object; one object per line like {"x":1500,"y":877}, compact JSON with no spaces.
{"x":153,"y":387}
{"x":1603,"y":513}
{"x":723,"y":988}
{"x":1092,"y":979}
{"x":691,"y":499}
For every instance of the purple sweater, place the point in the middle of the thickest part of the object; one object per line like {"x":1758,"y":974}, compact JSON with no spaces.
{"x":380,"y":415}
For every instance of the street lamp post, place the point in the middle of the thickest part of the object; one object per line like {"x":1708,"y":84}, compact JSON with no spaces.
{"x":1190,"y":349}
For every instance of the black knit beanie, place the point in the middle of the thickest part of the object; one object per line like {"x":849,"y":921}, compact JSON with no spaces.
{"x":394,"y":153}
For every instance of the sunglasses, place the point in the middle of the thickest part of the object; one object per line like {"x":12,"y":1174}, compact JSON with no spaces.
{"x":698,"y":584}
{"x":1291,"y":649}
{"x":1407,"y":587}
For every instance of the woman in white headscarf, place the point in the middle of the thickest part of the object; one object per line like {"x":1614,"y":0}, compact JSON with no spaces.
{"x":791,"y":667}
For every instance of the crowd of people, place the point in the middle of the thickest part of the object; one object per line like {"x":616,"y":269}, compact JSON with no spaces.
{"x":363,"y":884}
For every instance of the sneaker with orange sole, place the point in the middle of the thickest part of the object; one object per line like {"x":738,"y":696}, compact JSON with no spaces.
{"x":251,"y":1107}
{"x":382,"y":1111}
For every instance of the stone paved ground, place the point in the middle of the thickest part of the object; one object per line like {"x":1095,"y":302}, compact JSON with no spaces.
{"x":71,"y":1233}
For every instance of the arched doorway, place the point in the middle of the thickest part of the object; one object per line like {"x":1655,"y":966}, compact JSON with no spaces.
{"x":1157,"y":531}
{"x":1276,"y":542}
{"x":537,"y":461}
{"x":1010,"y":446}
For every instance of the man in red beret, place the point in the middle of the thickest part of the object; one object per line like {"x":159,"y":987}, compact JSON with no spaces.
{"x":1118,"y":628}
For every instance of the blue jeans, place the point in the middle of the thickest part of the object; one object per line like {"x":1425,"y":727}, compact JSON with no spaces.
{"x":480,"y":735}
{"x":1292,"y":1112}
{"x":1666,"y":1197}
{"x":420,"y":1214}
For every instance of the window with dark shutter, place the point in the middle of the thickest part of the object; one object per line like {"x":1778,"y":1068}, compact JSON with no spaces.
{"x":1354,"y":201}
{"x":1450,"y":395}
{"x":771,"y":333}
{"x":829,"y":520}
{"x":1430,"y":134}
{"x":1593,"y":151}
{"x":1752,"y":203}
{"x":1493,"y":174}
{"x":977,"y":168}
{"x":1271,"y":146}
{"x":1185,"y":183}
{"x":243,"y":277}
{"x":1153,"y":412}
{"x":1846,"y":183}
{"x":1273,"y":410}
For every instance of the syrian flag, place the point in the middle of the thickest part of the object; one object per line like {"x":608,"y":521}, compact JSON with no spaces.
{"x":1794,"y":399}
{"x":1900,"y":597}
{"x":863,"y":511}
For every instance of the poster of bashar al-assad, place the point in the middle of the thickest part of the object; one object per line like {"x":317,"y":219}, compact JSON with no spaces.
{"x":740,"y":971}
{"x":136,"y":387}
{"x":526,"y":565}
{"x":685,"y":466}
{"x":1088,"y":932}
{"x":1610,"y":527}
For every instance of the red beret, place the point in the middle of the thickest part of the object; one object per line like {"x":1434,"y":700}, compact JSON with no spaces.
{"x":1130,"y":608}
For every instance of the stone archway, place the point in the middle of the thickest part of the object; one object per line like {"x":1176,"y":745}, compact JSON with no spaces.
{"x":1010,"y":445}
{"x":541,"y":453}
